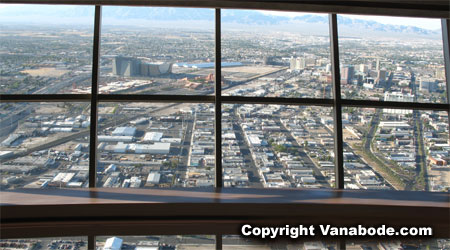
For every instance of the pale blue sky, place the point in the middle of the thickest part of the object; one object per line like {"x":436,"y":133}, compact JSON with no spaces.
{"x":425,"y":23}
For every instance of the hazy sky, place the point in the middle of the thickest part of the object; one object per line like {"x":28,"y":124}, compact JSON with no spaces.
{"x":426,"y":23}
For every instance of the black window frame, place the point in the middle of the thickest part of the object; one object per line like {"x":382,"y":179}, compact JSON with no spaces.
{"x":337,"y":103}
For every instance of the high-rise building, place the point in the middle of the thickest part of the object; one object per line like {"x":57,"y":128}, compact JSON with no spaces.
{"x":269,"y":60}
{"x":428,"y":84}
{"x":381,"y":76}
{"x":298,"y":63}
{"x":125,"y":66}
{"x":347,"y":73}
{"x":363,"y":68}
{"x":129,"y":66}
{"x":440,"y":73}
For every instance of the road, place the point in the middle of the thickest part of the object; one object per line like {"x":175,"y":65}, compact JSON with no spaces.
{"x":305,"y":157}
{"x":253,"y":175}
{"x":54,"y":88}
{"x":421,"y":162}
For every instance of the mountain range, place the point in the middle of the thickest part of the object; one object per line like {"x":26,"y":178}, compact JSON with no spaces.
{"x":241,"y":17}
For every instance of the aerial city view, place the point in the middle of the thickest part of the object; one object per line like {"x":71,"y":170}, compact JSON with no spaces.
{"x":160,"y":144}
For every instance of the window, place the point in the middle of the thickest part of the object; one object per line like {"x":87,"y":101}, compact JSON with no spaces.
{"x":74,"y":242}
{"x":156,"y":242}
{"x":273,"y":55}
{"x":46,"y":53}
{"x":239,"y":242}
{"x":430,"y":244}
{"x":398,"y":149}
{"x":153,"y":105}
{"x":147,"y":51}
{"x":46,"y":144}
{"x":152,"y":145}
{"x":392,"y":61}
{"x":277,"y":146}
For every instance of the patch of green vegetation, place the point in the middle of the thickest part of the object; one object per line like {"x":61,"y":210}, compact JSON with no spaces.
{"x":279,"y":148}
{"x":420,"y":181}
{"x":394,"y":177}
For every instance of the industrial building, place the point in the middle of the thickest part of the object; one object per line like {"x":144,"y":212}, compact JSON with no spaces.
{"x":156,"y":148}
{"x":117,"y":138}
{"x":153,"y":178}
{"x":398,"y":97}
{"x":124,"y":131}
{"x":113,"y":243}
{"x":152,"y":137}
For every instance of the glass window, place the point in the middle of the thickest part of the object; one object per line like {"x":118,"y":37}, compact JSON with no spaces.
{"x":238,"y":242}
{"x":157,"y":51}
{"x":185,"y":242}
{"x":46,"y":49}
{"x":275,"y":54}
{"x":433,"y":244}
{"x":74,"y":242}
{"x":156,"y":145}
{"x":44,"y":145}
{"x":396,"y":149}
{"x":391,"y":59}
{"x":277,"y":146}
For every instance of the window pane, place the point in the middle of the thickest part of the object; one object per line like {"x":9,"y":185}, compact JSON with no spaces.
{"x":145,"y":145}
{"x":432,"y":244}
{"x":277,"y":146}
{"x":74,"y":242}
{"x":184,"y":242}
{"x":396,"y":149}
{"x":391,"y":59}
{"x":157,"y":51}
{"x":277,"y":54}
{"x":45,"y":49}
{"x":44,"y":145}
{"x":237,"y":242}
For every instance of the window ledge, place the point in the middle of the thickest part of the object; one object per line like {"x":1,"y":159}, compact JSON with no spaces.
{"x":222,"y":211}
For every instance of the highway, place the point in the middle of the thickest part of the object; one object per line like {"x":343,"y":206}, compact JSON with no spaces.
{"x":56,"y":87}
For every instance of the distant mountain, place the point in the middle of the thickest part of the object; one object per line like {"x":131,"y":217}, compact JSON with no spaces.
{"x":241,"y":17}
{"x":379,"y":27}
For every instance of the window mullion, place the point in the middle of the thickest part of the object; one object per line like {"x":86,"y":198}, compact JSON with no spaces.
{"x":337,"y":103}
{"x":218,"y":101}
{"x":219,"y":242}
{"x":91,"y":242}
{"x":94,"y":98}
{"x":446,"y":43}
